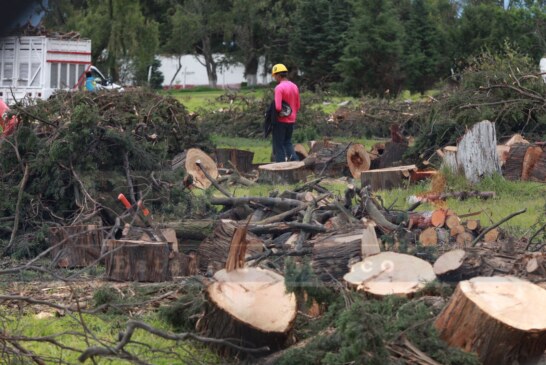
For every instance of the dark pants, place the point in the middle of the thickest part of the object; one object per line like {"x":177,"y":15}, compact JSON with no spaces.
{"x":283,"y":150}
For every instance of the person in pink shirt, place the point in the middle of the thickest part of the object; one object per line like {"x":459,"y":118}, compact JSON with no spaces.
{"x":287,"y":93}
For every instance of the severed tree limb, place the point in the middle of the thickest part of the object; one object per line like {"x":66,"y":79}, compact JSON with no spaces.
{"x":334,"y":157}
{"x":496,"y":225}
{"x":286,"y":227}
{"x":534,"y":235}
{"x":133,"y":325}
{"x":288,"y":213}
{"x":374,"y":212}
{"x":306,"y":220}
{"x":281,"y":203}
{"x":17,"y":210}
{"x":309,"y":185}
{"x":213,"y":181}
{"x":127,"y":168}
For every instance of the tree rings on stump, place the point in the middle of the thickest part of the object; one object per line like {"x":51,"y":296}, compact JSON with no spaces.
{"x":251,"y":305}
{"x":457,"y":265}
{"x":358,"y":160}
{"x":188,"y":160}
{"x":390,"y":273}
{"x":502,"y":319}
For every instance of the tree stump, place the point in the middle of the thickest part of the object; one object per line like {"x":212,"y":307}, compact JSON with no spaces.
{"x":457,"y":265}
{"x":181,"y":264}
{"x":358,"y":160}
{"x":301,"y":151}
{"x":449,"y":158}
{"x":187,"y":160}
{"x":501,"y":319}
{"x":477,"y":152}
{"x":78,"y":246}
{"x":330,"y":160}
{"x":390,"y":273}
{"x":389,"y":178}
{"x":532,"y":156}
{"x":333,"y":254}
{"x":213,"y":251}
{"x":240,"y":159}
{"x":250,"y":305}
{"x":514,"y":162}
{"x":392,"y":155}
{"x":283,"y":173}
{"x":538,"y":173}
{"x":142,"y":261}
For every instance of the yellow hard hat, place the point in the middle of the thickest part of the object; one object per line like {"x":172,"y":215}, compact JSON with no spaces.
{"x":279,"y":67}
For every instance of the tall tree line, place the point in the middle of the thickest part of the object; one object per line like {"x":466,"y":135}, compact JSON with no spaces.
{"x":358,"y":46}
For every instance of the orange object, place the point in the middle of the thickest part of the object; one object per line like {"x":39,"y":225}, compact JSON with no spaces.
{"x":145,"y":211}
{"x":124,"y":201}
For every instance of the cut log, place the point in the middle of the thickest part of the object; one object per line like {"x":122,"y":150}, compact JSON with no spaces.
{"x":388,"y":178}
{"x":457,"y":265}
{"x":232,"y":157}
{"x":251,"y":305}
{"x":449,"y":158}
{"x":142,"y":261}
{"x":301,"y":151}
{"x":452,"y":221}
{"x":438,"y":218}
{"x":333,"y":254}
{"x":473,"y":224}
{"x":187,"y":160}
{"x":464,"y":239}
{"x":477,"y":152}
{"x":393,"y":155}
{"x":513,"y":166}
{"x":501,"y":319}
{"x":213,"y":251}
{"x":390,"y":273}
{"x":358,"y":160}
{"x":428,"y":237}
{"x":538,"y":173}
{"x":532,"y":156}
{"x":491,"y":236}
{"x":283,"y":173}
{"x":75,"y":246}
{"x":420,"y":219}
{"x":181,"y":264}
{"x":315,"y":146}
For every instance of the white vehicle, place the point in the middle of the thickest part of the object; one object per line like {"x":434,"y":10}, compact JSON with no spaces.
{"x":37,"y":66}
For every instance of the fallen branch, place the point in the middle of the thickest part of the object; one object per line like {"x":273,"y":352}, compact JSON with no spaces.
{"x":496,"y":225}
{"x":213,"y":181}
{"x":17,"y":210}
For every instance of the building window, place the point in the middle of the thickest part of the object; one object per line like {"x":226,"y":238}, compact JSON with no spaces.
{"x":22,"y":80}
{"x":8,"y":74}
{"x":54,"y":81}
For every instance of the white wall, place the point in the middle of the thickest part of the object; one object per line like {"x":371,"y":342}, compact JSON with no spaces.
{"x":193,"y":73}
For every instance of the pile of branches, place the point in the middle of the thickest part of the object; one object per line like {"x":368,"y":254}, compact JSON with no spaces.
{"x":73,"y":154}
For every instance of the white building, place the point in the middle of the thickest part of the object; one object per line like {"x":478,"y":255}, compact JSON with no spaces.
{"x":193,"y":73}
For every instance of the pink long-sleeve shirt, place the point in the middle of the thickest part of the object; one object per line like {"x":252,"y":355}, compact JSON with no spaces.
{"x":288,"y":91}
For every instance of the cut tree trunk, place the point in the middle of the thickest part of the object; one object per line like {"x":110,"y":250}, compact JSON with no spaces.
{"x":330,"y":160}
{"x":393,"y":154}
{"x":333,"y":254}
{"x":539,"y":171}
{"x":438,"y":218}
{"x":477,"y":152}
{"x":449,"y":158}
{"x":390,"y":273}
{"x":78,"y":246}
{"x":187,"y":160}
{"x":283,"y":173}
{"x":473,"y":224}
{"x":213,"y":251}
{"x":452,"y":221}
{"x":141,"y":261}
{"x":358,"y":160}
{"x":250,"y":305}
{"x":388,"y":178}
{"x":491,"y":236}
{"x":532,"y":156}
{"x":232,"y":157}
{"x":457,"y":265}
{"x":181,"y":264}
{"x":428,"y":237}
{"x":501,"y":319}
{"x":513,"y":166}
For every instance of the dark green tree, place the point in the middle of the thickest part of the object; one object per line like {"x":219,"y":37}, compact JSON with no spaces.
{"x":318,"y":39}
{"x":422,"y":58}
{"x":371,"y":60}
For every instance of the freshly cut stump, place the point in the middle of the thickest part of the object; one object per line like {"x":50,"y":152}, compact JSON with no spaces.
{"x":75,"y":246}
{"x":187,"y":160}
{"x":502,"y":319}
{"x":283,"y":172}
{"x":250,"y":305}
{"x":387,"y":178}
{"x":390,"y":273}
{"x":358,"y":160}
{"x":457,"y":265}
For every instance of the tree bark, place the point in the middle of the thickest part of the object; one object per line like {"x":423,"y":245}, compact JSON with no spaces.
{"x":387,"y":178}
{"x":80,"y":247}
{"x":283,"y":173}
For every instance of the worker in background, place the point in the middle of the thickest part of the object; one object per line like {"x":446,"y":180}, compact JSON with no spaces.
{"x":285,"y":91}
{"x":90,"y":81}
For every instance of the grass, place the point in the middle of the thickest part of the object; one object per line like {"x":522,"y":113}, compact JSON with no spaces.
{"x":69,"y":331}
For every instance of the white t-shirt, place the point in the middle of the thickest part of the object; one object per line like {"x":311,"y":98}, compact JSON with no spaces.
{"x":542,"y":66}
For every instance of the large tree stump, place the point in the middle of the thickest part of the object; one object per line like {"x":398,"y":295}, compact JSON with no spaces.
{"x":250,"y":305}
{"x":514,"y":162}
{"x":334,"y":254}
{"x":388,"y":178}
{"x":502,"y":319}
{"x":129,"y":260}
{"x":538,"y":173}
{"x":283,"y":173}
{"x":393,"y":155}
{"x":358,"y":160}
{"x":240,"y":159}
{"x":213,"y":251}
{"x":75,"y":246}
{"x":330,"y":160}
{"x":390,"y":273}
{"x":187,"y":160}
{"x":477,"y":152}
